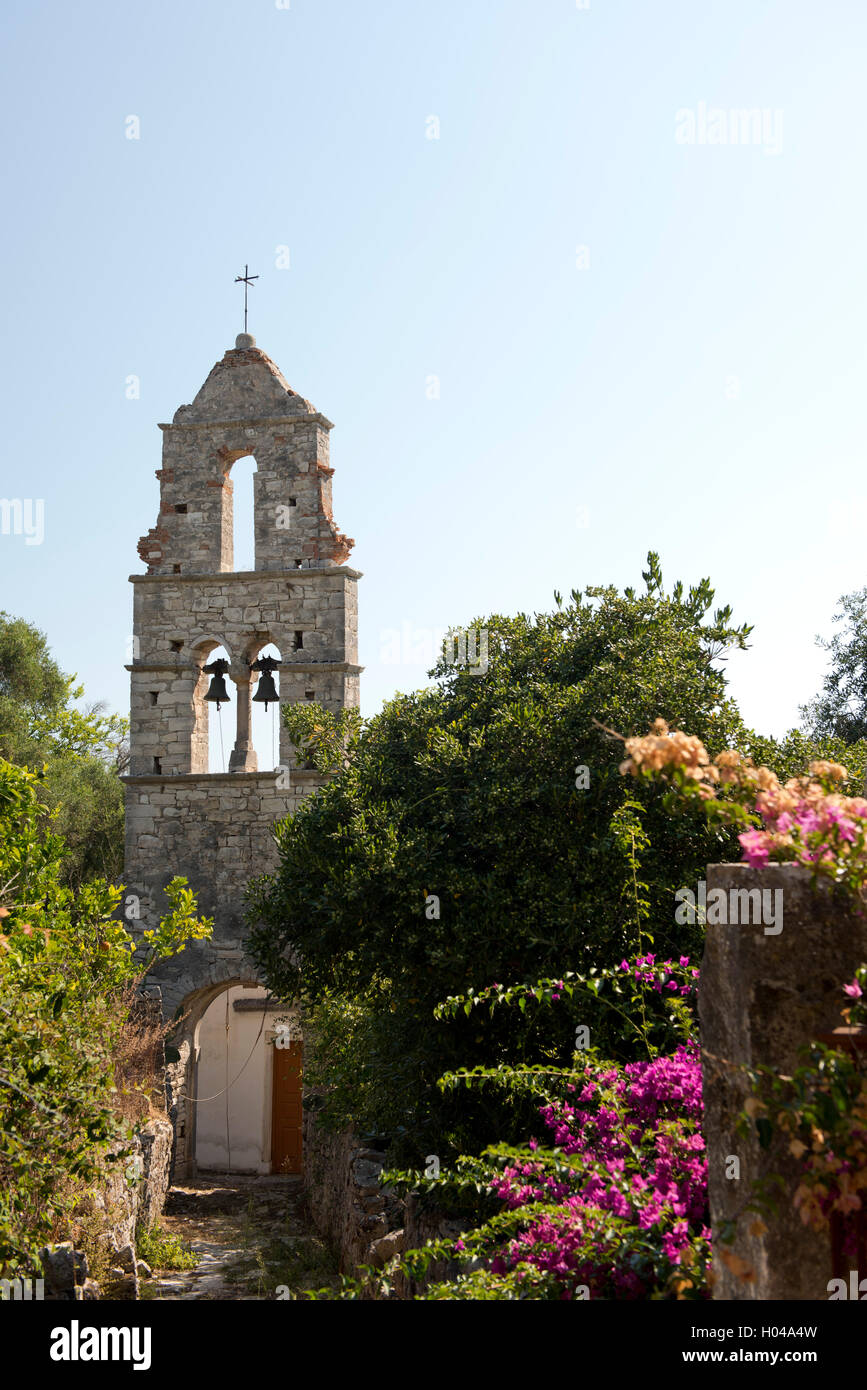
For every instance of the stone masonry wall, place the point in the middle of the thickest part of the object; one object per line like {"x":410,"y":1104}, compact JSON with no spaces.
{"x":310,"y":616}
{"x":347,"y":1205}
{"x":763,"y":996}
{"x":132,"y":1193}
{"x":217,"y":831}
{"x":364,"y":1222}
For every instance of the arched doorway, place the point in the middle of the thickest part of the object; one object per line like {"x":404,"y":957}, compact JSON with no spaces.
{"x":248,"y":1080}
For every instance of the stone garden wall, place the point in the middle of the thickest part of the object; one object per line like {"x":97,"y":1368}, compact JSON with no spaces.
{"x":133,"y":1193}
{"x":348,"y":1207}
{"x":363,"y":1222}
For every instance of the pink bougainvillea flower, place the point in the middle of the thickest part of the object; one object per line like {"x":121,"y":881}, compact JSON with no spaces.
{"x":756,"y":846}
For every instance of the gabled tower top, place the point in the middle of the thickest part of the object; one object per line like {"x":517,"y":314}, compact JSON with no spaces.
{"x":245,"y":406}
{"x":245,"y":385}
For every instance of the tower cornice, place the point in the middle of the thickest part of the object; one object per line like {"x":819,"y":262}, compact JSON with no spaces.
{"x":314,"y":417}
{"x":244,"y":576}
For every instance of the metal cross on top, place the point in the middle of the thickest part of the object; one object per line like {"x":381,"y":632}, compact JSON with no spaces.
{"x":246,"y":280}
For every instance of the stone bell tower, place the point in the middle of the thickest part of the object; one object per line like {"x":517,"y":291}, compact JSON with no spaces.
{"x":216,"y":828}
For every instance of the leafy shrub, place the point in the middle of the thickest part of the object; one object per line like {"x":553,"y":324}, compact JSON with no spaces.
{"x":68,"y":969}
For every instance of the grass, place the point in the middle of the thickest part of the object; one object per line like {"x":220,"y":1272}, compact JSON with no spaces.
{"x":298,"y":1263}
{"x":162,"y":1250}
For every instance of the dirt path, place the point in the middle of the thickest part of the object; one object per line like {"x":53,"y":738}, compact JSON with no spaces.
{"x":251,"y":1235}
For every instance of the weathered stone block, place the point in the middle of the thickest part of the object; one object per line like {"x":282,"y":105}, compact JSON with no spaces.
{"x":764,"y":994}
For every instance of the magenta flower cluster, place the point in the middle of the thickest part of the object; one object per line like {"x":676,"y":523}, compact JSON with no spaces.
{"x":632,"y":1207}
{"x":808,"y":826}
{"x":660,"y":977}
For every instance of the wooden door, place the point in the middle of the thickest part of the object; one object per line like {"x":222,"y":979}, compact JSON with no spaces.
{"x":286,"y":1110}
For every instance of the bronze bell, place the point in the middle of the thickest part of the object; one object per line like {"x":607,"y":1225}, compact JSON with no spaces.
{"x":217,"y":689}
{"x":266,"y":690}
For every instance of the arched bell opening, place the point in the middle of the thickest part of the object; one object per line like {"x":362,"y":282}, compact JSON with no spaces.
{"x":265,"y":661}
{"x":213,"y":707}
{"x":242,"y":479}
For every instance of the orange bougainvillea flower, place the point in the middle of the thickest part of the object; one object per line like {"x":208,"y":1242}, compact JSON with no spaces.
{"x":835,"y":771}
{"x":661,"y":750}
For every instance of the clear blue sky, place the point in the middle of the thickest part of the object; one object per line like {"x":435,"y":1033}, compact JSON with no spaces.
{"x":697,"y":388}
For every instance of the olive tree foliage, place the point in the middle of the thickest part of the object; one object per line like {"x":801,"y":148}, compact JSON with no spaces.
{"x":840,"y":709}
{"x":479,"y":831}
{"x":79,"y":751}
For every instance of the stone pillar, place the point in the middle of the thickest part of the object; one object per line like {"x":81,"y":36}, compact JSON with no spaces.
{"x":243,"y":756}
{"x":764,"y":993}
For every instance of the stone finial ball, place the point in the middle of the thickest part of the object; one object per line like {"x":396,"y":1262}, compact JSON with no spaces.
{"x":244,"y":341}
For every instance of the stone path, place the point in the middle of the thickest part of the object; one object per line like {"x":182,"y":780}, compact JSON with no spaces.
{"x":252,"y":1235}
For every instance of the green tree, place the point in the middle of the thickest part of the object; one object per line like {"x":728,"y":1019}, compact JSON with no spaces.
{"x":480,"y":832}
{"x":86,"y":801}
{"x":791,"y":755}
{"x":840,"y":709}
{"x":31,"y":686}
{"x":80,"y":751}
